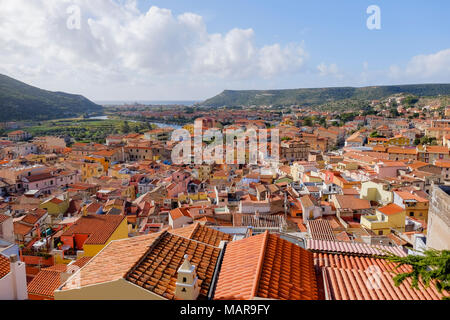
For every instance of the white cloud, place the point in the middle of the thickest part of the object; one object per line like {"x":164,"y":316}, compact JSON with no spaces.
{"x":119,"y":43}
{"x":435,"y":66}
{"x":328,"y":70}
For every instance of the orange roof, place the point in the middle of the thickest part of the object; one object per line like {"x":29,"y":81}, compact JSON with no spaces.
{"x":437,"y":149}
{"x":179,"y":212}
{"x":391,"y":209}
{"x":203,"y":234}
{"x":356,"y":284}
{"x":410,"y":196}
{"x":266,"y":266}
{"x":402,"y":150}
{"x":442,"y":163}
{"x":45,"y":283}
{"x":4,"y":266}
{"x":99,"y":227}
{"x":115,"y":260}
{"x":157,"y":272}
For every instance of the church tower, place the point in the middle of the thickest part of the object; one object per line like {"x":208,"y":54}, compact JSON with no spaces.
{"x":187,"y":282}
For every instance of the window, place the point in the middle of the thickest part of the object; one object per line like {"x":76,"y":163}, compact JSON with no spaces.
{"x":411,"y":214}
{"x":380,"y":233}
{"x":184,"y":279}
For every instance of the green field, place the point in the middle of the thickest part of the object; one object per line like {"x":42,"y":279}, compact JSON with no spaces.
{"x":86,"y":130}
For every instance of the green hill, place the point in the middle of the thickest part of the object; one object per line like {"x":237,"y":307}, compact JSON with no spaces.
{"x":310,"y":97}
{"x":19,"y":101}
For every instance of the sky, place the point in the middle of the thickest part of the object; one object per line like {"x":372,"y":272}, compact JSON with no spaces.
{"x":193,"y":50}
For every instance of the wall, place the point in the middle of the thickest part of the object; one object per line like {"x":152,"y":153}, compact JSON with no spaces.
{"x":438,"y":234}
{"x":115,"y":290}
{"x":120,"y":233}
{"x":7,"y":284}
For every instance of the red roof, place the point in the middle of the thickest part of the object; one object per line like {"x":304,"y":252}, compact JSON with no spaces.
{"x":391,"y":209}
{"x":4,"y":266}
{"x":266,"y":266}
{"x":99,"y":227}
{"x":352,"y":247}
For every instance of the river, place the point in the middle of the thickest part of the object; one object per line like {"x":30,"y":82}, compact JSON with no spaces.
{"x":159,"y":124}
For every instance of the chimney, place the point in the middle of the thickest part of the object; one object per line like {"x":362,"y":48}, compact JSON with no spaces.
{"x":187,"y":282}
{"x":19,"y":280}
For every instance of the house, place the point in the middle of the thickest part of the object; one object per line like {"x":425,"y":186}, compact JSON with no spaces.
{"x":429,"y":154}
{"x":49,"y":279}
{"x":266,"y":267}
{"x":355,"y":140}
{"x":389,"y":168}
{"x":377,"y":190}
{"x":13,"y":280}
{"x":179,"y":217}
{"x":90,"y":234}
{"x":19,"y":135}
{"x":6,"y":228}
{"x":158,"y":266}
{"x":350,"y":209}
{"x":56,"y":206}
{"x":309,"y":209}
{"x":386,"y":218}
{"x":415,"y":206}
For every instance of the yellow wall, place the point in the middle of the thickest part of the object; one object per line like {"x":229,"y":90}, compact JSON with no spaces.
{"x":115,"y":290}
{"x":55,"y":209}
{"x":420,"y":211}
{"x":90,"y":250}
{"x":396,"y":221}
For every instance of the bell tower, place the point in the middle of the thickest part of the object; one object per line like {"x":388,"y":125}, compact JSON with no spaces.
{"x":187,"y":282}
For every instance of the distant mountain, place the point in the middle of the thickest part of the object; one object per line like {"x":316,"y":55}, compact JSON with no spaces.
{"x":19,"y":101}
{"x":310,"y":97}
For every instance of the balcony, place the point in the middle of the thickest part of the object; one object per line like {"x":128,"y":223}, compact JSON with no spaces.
{"x":372,"y":222}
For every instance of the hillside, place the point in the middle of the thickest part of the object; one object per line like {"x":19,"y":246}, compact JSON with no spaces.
{"x":19,"y":101}
{"x":319,"y":96}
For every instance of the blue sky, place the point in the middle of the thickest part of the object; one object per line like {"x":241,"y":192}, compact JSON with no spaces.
{"x":180,"y":49}
{"x":333,"y":31}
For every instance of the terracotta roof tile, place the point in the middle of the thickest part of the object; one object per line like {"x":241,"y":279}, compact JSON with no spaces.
{"x":115,"y":260}
{"x":266,"y":266}
{"x":351,"y":247}
{"x":4,"y":266}
{"x":157,"y":272}
{"x":99,"y":227}
{"x":203,"y":234}
{"x":45,"y":283}
{"x":321,"y":230}
{"x":352,"y":284}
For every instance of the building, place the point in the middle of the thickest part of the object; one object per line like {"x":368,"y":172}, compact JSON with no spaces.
{"x":13,"y":280}
{"x":438,"y":233}
{"x":19,"y":136}
{"x":415,"y":206}
{"x":90,"y":234}
{"x":386,"y":218}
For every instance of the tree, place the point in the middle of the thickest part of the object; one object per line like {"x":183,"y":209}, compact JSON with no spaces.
{"x":432,"y":266}
{"x":307,"y":122}
{"x":125,"y":127}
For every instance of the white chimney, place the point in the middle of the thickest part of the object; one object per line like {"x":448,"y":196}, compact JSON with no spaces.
{"x":19,"y":278}
{"x":187,"y":282}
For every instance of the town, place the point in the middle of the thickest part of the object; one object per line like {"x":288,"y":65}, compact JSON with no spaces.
{"x":120,"y":220}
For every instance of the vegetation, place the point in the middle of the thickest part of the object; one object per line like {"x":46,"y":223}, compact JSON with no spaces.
{"x":431,"y":267}
{"x":309,"y":97}
{"x":425,"y":141}
{"x":19,"y":101}
{"x":87,"y":130}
